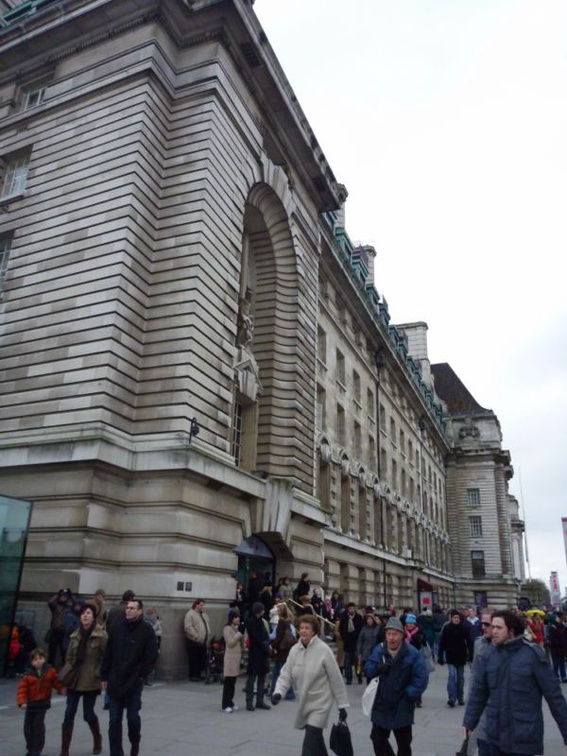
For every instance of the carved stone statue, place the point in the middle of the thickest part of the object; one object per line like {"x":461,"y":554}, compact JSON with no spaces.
{"x":469,"y":430}
{"x":245,"y":335}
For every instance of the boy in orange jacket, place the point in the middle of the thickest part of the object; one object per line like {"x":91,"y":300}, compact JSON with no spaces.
{"x":34,"y":695}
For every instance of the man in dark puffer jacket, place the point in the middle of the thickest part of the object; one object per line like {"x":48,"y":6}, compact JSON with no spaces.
{"x":510,"y":682}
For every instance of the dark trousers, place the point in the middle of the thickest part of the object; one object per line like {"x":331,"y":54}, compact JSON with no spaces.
{"x":495,"y":751}
{"x":350,"y":661}
{"x":132,"y":703}
{"x":260,"y":684}
{"x":313,"y":743}
{"x":34,"y":730}
{"x":89,"y":700}
{"x":197,"y":658}
{"x":228,"y":688}
{"x":379,"y":737}
{"x":483,"y":747}
{"x":56,"y":638}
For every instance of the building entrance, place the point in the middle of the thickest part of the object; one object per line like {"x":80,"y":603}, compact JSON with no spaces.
{"x":254,"y":557}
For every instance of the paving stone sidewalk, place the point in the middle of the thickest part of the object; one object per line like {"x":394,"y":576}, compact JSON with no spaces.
{"x":180,"y":719}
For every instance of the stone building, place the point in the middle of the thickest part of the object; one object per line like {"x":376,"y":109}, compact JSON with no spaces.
{"x":485,"y":530}
{"x":198,"y":376}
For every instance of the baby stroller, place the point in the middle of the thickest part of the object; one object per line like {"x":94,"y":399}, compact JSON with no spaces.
{"x":215,"y":661}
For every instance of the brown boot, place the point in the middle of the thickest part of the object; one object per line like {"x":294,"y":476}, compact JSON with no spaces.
{"x":97,"y":737}
{"x":66,"y":737}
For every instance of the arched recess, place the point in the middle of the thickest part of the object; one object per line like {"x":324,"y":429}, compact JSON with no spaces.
{"x":277,"y":341}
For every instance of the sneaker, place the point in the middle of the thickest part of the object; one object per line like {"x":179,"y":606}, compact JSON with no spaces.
{"x":262,"y":705}
{"x":233,"y":707}
{"x":461,"y":702}
{"x":250,"y":707}
{"x":228,"y":710}
{"x":451,"y":703}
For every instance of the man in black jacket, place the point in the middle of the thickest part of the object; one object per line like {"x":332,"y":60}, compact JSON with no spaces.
{"x":129,"y":658}
{"x":350,"y":625}
{"x":455,"y":646}
{"x":258,"y":657}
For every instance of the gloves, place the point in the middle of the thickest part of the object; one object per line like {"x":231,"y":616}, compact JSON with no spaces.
{"x":382,"y":669}
{"x":342,"y":715}
{"x":276,"y":698}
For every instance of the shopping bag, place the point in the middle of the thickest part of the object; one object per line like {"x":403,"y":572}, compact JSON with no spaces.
{"x":425,"y":652}
{"x":340,"y":741}
{"x":369,"y":695}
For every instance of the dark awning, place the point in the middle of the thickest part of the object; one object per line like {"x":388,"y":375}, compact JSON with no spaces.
{"x":423,"y":585}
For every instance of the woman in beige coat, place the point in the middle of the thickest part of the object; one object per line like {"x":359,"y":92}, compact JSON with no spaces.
{"x":233,"y":645}
{"x":312,"y":669}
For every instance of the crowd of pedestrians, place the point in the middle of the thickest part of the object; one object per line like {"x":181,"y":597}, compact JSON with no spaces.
{"x":92,"y":650}
{"x":299,"y":643}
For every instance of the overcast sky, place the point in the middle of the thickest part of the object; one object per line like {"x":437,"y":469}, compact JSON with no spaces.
{"x":447,"y":122}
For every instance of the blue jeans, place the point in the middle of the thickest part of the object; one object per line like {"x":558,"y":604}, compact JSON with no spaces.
{"x":276,"y":669}
{"x":132,"y":703}
{"x":559,"y":666}
{"x":456,"y":683}
{"x":73,"y":698}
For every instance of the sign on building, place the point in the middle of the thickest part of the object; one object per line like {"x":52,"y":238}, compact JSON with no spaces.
{"x":554,"y":589}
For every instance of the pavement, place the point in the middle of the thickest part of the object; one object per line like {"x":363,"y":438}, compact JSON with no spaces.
{"x":181,"y":718}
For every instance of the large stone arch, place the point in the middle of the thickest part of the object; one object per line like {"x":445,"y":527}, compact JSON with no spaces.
{"x":283,"y":343}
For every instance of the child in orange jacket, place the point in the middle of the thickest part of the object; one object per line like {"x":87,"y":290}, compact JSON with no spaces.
{"x":34,"y":695}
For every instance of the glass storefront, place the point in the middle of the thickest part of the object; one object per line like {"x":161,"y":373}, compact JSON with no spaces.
{"x":14,"y":523}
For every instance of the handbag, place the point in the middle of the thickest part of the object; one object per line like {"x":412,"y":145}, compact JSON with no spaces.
{"x":340,"y":741}
{"x":68,"y":675}
{"x":369,"y":695}
{"x":427,"y":656}
{"x":464,"y":748}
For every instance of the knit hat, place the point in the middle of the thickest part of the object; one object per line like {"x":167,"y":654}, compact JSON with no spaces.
{"x":394,"y":624}
{"x":411,"y":618}
{"x":257,"y":607}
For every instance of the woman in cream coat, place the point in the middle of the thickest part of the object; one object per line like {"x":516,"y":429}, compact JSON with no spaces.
{"x":233,"y":645}
{"x":313,"y":671}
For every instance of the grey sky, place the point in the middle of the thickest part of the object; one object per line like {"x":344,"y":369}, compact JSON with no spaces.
{"x":446,"y":120}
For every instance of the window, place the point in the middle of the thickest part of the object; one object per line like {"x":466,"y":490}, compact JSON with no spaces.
{"x":321,"y":407}
{"x":237,"y":434}
{"x":31,"y":96}
{"x":357,"y":441}
{"x":410,"y":452}
{"x":341,"y":425}
{"x":473,"y":497}
{"x":475,"y":526}
{"x":402,"y":441}
{"x":477,"y":561}
{"x":5,"y":248}
{"x":371,"y":453}
{"x":394,"y":476}
{"x":322,"y":345}
{"x":393,"y":430}
{"x":356,"y":386}
{"x":15,"y":174}
{"x":370,"y":402}
{"x":340,"y":367}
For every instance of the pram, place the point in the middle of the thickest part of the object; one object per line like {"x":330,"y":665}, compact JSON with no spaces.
{"x":215,"y":661}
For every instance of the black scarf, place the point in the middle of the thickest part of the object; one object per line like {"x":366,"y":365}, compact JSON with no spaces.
{"x":82,"y":647}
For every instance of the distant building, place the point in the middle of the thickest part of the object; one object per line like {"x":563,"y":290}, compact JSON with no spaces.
{"x":486,"y":532}
{"x":199,"y":377}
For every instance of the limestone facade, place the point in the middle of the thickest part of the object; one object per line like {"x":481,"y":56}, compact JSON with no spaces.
{"x":193,"y":351}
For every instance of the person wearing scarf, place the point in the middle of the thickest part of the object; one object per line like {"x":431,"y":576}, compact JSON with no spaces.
{"x":86,"y":648}
{"x":414,"y":636}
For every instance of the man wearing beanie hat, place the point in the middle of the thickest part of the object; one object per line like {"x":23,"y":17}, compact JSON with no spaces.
{"x":403,"y":678}
{"x":455,"y":646}
{"x":258,"y":657}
